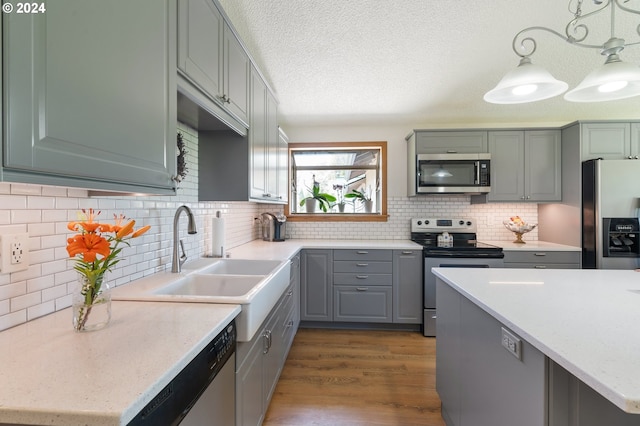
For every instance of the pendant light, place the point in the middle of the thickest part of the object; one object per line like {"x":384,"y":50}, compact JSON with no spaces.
{"x":614,"y":80}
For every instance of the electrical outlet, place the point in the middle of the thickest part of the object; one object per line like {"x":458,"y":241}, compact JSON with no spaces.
{"x":511,"y":343}
{"x":14,"y":252}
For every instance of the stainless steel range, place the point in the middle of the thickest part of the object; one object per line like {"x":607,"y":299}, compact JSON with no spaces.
{"x":449,"y":243}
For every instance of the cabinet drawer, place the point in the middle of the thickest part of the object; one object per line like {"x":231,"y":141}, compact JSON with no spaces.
{"x":362,"y":304}
{"x":363,"y":266}
{"x":363,"y":254}
{"x":542,"y":265}
{"x":541,"y":257}
{"x":362,"y":279}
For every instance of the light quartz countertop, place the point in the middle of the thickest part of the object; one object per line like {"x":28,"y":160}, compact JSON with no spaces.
{"x":52,"y":375}
{"x":584,"y":320}
{"x":280,"y":250}
{"x":532,"y":245}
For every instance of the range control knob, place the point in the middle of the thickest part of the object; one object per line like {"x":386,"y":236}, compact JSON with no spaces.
{"x":426,"y":222}
{"x":461,"y":223}
{"x":468,"y":223}
{"x":419,"y":222}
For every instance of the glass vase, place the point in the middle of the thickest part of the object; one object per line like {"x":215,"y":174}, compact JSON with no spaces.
{"x":91,"y":303}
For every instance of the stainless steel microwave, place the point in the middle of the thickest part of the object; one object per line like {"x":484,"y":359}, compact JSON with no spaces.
{"x":453,"y":173}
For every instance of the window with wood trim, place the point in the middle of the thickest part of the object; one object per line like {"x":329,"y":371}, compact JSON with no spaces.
{"x":338,"y":181}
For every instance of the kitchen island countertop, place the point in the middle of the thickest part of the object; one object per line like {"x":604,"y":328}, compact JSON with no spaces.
{"x":584,"y":320}
{"x":52,"y":375}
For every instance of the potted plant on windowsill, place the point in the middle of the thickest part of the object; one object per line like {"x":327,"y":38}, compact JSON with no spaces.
{"x":364,"y":197}
{"x":322,"y":199}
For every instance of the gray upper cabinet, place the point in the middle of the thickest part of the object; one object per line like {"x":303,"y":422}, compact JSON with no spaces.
{"x":264,"y":171}
{"x":212,"y":58}
{"x":428,"y":142}
{"x":610,"y":140}
{"x":90,"y":104}
{"x":200,"y":33}
{"x":283,"y":166}
{"x":525,"y":166}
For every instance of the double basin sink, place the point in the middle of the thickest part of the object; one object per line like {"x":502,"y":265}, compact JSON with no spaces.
{"x":256,"y":285}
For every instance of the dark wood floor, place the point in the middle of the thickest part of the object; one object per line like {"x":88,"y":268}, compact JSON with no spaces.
{"x":353,"y":378}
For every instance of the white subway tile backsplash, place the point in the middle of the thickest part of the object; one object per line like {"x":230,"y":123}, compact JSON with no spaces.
{"x":21,"y":302}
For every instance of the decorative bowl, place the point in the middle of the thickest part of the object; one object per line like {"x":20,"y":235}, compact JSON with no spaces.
{"x":519,"y":229}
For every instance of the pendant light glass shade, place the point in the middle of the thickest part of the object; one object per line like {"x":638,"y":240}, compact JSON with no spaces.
{"x":527,"y":83}
{"x":612,"y":81}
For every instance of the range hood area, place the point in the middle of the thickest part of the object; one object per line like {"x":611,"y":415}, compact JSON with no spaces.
{"x":199,"y":112}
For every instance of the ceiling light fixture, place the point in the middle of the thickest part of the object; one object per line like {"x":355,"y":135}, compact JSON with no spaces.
{"x":614,"y":80}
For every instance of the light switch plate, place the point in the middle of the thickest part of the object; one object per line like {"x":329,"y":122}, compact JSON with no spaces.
{"x":14,"y":252}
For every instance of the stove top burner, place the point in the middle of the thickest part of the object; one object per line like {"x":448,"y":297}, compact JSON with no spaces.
{"x":462,"y":243}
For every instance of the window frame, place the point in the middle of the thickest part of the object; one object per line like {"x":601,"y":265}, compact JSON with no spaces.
{"x":341,"y":217}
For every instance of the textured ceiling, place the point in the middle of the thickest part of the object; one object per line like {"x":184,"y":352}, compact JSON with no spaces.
{"x":418,"y":62}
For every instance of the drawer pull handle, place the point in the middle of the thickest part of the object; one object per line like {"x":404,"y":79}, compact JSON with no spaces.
{"x":361,"y":288}
{"x":540,"y":267}
{"x":362,"y":264}
{"x":290,"y":292}
{"x":540,"y":254}
{"x":407,"y":252}
{"x":362,"y":277}
{"x":363,"y":252}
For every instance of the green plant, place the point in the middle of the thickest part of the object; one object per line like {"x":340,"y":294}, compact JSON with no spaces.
{"x":358,"y":195}
{"x":324,"y":199}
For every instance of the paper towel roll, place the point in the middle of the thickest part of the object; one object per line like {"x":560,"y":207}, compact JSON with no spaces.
{"x":217,"y":236}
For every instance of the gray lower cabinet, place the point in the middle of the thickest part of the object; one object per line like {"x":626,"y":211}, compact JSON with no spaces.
{"x":87,"y":103}
{"x":362,"y":286}
{"x":316,"y":285}
{"x":408,"y":284}
{"x":541,"y":259}
{"x":525,"y":165}
{"x":260,"y":361}
{"x":479,"y":382}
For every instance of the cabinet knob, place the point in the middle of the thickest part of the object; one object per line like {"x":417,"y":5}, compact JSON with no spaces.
{"x":528,"y":197}
{"x":522,"y":198}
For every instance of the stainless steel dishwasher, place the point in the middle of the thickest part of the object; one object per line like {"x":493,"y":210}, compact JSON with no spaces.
{"x":203,"y":393}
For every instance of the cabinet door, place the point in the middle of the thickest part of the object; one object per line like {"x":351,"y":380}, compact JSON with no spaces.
{"x":316,"y":296}
{"x":273,"y":359}
{"x":273,"y":136}
{"x":605,"y":140}
{"x":200,"y":32}
{"x":236,"y":65}
{"x":249,"y":387}
{"x":258,"y":137}
{"x":407,"y":286}
{"x":86,"y":98}
{"x":451,"y":142}
{"x":543,"y":175}
{"x":635,"y":140}
{"x":362,"y":303}
{"x":283,"y":167}
{"x":507,"y":166}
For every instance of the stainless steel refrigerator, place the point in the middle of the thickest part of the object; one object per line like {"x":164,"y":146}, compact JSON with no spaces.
{"x":610,"y":214}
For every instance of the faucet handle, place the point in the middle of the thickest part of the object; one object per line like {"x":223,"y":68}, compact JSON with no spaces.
{"x":183,"y":256}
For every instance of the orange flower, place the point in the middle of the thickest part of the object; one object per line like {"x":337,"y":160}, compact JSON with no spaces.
{"x":89,"y":246}
{"x":141,"y":231}
{"x":125,"y":230}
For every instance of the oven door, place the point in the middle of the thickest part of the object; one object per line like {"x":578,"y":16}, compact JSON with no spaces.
{"x":430,"y":313}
